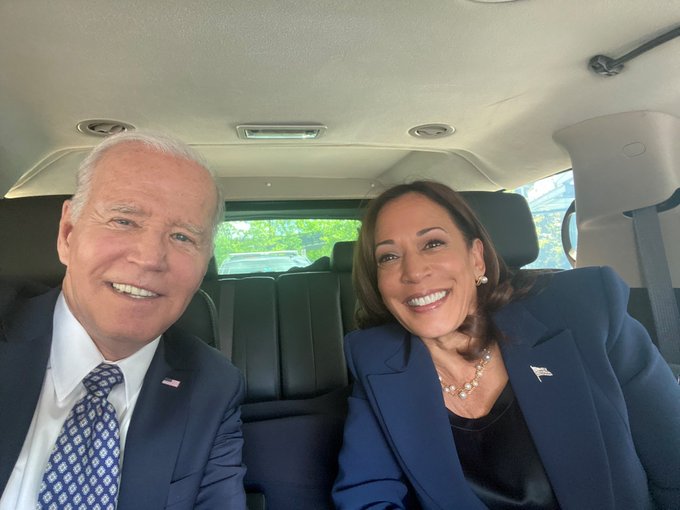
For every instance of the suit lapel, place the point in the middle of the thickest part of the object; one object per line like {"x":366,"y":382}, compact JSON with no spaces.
{"x":156,"y":430}
{"x":24,"y":353}
{"x":413,"y":412}
{"x":558,"y":409}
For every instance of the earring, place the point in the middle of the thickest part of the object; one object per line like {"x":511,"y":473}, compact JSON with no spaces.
{"x":481,"y":280}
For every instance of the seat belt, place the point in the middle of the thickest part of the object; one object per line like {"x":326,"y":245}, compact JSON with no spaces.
{"x":657,"y":277}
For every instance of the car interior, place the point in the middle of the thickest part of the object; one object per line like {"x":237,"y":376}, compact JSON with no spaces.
{"x":310,"y":110}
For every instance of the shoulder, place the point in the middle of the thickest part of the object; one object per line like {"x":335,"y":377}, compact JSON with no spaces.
{"x":591,"y":302}
{"x":580,"y":288}
{"x":25,"y":307}
{"x":15,"y":293}
{"x":377,"y":337}
{"x":584,"y":278}
{"x":373,"y":346}
{"x":189,"y":351}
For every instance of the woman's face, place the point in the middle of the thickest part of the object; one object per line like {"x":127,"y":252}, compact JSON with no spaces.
{"x":426,"y":271}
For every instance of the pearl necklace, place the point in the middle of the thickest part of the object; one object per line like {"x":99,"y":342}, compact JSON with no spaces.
{"x":468,"y":387}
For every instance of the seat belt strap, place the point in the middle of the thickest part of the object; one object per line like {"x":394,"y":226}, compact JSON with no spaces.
{"x":655,"y":271}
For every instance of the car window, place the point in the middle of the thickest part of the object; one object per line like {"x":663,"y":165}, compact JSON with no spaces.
{"x":277,"y":245}
{"x":549,"y":199}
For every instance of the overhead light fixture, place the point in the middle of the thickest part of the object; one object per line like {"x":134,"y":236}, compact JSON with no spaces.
{"x":431,"y":131}
{"x":280,"y":132}
{"x":103,"y":127}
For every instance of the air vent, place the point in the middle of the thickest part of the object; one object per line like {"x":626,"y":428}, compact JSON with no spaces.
{"x":280,"y":132}
{"x":431,"y":131}
{"x":103,"y":127}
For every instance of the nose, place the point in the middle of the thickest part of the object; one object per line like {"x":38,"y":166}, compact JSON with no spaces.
{"x":414,"y":267}
{"x":149,"y":252}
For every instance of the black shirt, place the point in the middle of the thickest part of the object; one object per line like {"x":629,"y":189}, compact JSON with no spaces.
{"x":499,"y":459}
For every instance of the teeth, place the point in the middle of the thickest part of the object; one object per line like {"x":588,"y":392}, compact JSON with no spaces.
{"x":133,"y":291}
{"x":426,"y":300}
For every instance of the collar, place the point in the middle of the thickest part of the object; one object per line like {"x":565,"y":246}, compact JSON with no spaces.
{"x":74,"y":355}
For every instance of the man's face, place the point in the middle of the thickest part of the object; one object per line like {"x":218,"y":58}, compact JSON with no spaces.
{"x":138,"y":251}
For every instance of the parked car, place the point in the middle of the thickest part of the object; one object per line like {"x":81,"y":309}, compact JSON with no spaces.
{"x":262,"y":262}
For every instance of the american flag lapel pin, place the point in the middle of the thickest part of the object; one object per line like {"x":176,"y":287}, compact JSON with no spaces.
{"x":171,"y":382}
{"x":540,"y":372}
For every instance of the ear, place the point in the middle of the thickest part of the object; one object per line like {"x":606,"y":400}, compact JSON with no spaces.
{"x":477,"y":254}
{"x":65,"y":229}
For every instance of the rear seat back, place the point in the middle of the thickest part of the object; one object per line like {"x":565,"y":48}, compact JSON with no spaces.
{"x":248,"y":328}
{"x":341,"y":264}
{"x":311,"y":332}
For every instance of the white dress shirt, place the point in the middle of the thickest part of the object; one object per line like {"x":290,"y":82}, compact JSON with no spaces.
{"x":73,"y":355}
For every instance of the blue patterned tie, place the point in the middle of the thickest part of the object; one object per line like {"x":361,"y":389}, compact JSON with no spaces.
{"x":83,"y":469}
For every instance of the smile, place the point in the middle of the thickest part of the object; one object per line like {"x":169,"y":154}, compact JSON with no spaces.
{"x":133,"y":291}
{"x":427,"y":300}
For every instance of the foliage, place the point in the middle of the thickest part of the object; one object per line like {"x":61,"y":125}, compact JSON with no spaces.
{"x":548,"y":228}
{"x":310,"y":237}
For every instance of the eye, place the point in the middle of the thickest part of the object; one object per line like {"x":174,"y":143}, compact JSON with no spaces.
{"x":182,"y":238}
{"x":122,"y":222}
{"x":386,"y":257}
{"x":433,"y":243}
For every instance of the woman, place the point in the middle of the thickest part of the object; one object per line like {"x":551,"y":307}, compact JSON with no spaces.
{"x":475,"y":389}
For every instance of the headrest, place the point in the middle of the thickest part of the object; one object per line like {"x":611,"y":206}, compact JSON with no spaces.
{"x":200,"y":319}
{"x":211,"y":273}
{"x":28,"y":237}
{"x":508,"y":219}
{"x":341,"y":257}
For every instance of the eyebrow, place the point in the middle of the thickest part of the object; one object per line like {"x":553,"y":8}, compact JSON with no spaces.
{"x":420,"y":233}
{"x":194,"y":229}
{"x":136,"y":211}
{"x":126,"y":209}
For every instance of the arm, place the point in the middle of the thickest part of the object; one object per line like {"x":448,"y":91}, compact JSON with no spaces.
{"x":222,"y":482}
{"x":369,"y":476}
{"x":652,"y":396}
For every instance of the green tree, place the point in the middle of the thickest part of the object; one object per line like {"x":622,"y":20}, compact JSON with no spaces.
{"x":311,"y":237}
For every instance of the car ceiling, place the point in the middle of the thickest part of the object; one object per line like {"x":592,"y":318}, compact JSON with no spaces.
{"x":506,"y":75}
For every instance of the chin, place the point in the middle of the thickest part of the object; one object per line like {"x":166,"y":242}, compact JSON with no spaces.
{"x":140,"y":336}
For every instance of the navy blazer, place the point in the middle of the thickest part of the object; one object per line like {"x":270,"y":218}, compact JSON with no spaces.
{"x":606,"y":424}
{"x":183,"y":447}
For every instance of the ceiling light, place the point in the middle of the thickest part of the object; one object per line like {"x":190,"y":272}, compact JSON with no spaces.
{"x":102,"y":127}
{"x":280,"y":132}
{"x":431,"y":131}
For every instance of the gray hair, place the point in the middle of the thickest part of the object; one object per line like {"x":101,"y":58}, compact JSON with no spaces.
{"x":161,"y":143}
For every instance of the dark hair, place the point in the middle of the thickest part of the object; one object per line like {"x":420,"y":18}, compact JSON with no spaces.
{"x":497,"y":292}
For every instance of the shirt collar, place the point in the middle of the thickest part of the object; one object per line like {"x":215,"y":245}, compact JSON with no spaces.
{"x":74,"y":355}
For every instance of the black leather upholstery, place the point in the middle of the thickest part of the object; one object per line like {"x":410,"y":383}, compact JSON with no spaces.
{"x":508,"y":220}
{"x":28,"y":237}
{"x":312,"y":359}
{"x":341,"y":264}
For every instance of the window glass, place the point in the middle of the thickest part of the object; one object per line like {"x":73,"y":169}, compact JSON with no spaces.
{"x":276,"y":245}
{"x":549,"y":199}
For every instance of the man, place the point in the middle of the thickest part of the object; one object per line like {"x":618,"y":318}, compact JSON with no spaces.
{"x":102,"y":401}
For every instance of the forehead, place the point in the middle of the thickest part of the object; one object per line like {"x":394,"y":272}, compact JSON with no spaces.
{"x":135,"y":173}
{"x":412,"y":209}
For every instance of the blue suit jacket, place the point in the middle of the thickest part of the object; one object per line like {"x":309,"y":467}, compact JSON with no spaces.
{"x":183,"y":447}
{"x":606,"y":424}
